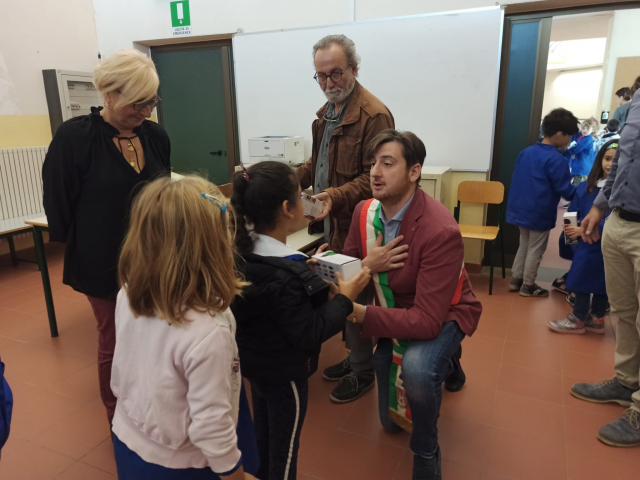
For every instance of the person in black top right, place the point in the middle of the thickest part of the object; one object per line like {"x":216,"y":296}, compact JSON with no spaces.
{"x":94,"y":166}
{"x":284,"y":315}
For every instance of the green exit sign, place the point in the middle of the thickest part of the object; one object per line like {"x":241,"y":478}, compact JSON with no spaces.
{"x":180,"y":16}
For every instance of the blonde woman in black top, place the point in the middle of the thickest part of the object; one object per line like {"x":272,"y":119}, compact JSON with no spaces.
{"x":93,"y":168}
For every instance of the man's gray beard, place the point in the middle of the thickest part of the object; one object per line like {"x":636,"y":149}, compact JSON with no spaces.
{"x":340,"y":95}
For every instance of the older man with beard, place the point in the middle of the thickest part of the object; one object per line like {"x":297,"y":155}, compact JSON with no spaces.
{"x":337,"y":169}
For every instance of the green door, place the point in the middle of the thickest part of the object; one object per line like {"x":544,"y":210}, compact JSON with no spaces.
{"x":193,"y":110}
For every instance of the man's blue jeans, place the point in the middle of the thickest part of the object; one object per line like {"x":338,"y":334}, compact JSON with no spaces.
{"x":425,"y":366}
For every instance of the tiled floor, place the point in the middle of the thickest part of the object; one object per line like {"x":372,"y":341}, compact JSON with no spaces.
{"x":514,"y":419}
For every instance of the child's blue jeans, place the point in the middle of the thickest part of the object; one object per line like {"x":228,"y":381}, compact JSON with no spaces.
{"x":598,"y":305}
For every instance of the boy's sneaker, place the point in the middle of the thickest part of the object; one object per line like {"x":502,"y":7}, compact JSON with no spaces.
{"x":515,"y":284}
{"x":624,"y":432}
{"x":337,"y":372}
{"x":571,"y":299}
{"x":594,"y":324}
{"x":456,"y":378}
{"x":353,"y":386}
{"x":606,"y":391}
{"x":560,"y":284}
{"x":533,"y":291}
{"x":571,"y":324}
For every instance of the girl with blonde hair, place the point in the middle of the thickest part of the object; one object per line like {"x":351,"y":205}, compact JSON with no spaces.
{"x":176,"y":371}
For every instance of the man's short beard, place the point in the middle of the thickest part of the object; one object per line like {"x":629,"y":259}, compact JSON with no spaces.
{"x":389,"y":198}
{"x":339,"y":95}
{"x":395,"y":195}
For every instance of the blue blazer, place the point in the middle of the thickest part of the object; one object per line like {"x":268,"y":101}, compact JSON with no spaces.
{"x":586,"y":274}
{"x":540,"y":178}
{"x":581,"y":156}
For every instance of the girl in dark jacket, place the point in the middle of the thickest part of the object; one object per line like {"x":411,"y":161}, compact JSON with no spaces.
{"x":284,"y":315}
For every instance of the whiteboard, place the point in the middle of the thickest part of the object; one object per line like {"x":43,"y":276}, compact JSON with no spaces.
{"x":437,"y":74}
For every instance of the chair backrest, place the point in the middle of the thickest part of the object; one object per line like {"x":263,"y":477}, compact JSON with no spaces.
{"x":481,"y":192}
{"x":226,"y":189}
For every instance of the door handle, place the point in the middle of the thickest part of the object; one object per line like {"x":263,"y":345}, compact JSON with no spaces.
{"x":218,"y":152}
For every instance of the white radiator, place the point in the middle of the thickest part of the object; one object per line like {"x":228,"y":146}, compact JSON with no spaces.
{"x":21,"y":181}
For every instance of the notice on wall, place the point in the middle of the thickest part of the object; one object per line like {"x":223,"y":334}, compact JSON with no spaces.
{"x":180,"y":18}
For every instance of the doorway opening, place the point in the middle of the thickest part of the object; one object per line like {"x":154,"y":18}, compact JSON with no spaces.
{"x":575,"y":64}
{"x":577,"y":59}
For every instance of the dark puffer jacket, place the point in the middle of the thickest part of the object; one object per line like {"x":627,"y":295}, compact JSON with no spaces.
{"x":283,"y":317}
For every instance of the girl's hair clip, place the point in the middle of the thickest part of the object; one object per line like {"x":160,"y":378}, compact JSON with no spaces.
{"x":215,"y":201}
{"x":245,"y":174}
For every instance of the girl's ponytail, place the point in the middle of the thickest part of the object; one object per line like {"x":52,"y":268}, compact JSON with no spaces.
{"x":258,"y":195}
{"x":244,"y":243}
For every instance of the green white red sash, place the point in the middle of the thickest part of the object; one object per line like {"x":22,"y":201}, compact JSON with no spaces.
{"x":370,"y":227}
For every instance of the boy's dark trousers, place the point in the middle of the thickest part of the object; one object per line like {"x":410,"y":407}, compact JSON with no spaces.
{"x":278,"y":415}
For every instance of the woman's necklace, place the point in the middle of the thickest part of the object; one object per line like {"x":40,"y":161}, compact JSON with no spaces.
{"x":133,"y":161}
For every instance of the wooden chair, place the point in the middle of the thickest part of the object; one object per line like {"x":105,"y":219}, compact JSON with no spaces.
{"x":226,"y":189}
{"x":483,"y":192}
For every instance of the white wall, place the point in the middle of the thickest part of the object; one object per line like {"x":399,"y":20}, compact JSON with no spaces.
{"x":580,"y":27}
{"x":575,"y":90}
{"x":37,"y":35}
{"x":624,"y":42}
{"x":120,"y":23}
{"x":369,"y":9}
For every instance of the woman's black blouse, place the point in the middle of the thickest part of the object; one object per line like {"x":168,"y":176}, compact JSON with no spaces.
{"x":88,"y":188}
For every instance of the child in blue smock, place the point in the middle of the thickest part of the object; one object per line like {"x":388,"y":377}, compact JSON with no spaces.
{"x":586,"y":276}
{"x":540,"y":179}
{"x":580,"y":154}
{"x":6,"y":407}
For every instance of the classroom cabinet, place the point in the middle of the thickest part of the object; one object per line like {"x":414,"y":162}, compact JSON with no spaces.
{"x":436,"y":182}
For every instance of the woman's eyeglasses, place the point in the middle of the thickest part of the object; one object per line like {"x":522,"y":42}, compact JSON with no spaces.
{"x":151,"y":103}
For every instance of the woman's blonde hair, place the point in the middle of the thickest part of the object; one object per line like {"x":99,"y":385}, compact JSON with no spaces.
{"x":178,"y":254}
{"x":130,"y":73}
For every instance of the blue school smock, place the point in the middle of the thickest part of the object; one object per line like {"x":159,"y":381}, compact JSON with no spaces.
{"x":581,"y":156}
{"x":6,"y":407}
{"x":540,"y":178}
{"x":586,"y":274}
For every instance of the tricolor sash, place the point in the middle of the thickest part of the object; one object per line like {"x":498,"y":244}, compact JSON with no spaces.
{"x":370,"y":227}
